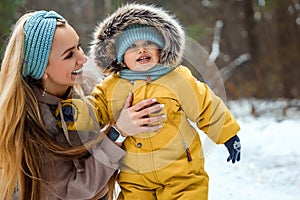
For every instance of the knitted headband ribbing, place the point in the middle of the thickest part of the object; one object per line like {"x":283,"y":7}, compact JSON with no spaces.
{"x":39,"y":31}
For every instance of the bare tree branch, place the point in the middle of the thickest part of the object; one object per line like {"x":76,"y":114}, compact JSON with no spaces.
{"x":226,"y":71}
{"x":215,"y":50}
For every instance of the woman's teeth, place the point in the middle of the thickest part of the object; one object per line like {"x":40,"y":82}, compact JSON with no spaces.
{"x":77,"y":71}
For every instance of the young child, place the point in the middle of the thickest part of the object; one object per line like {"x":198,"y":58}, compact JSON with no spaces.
{"x":141,"y":48}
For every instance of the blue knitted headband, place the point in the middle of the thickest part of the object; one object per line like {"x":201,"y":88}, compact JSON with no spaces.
{"x":39,"y":31}
{"x":135,"y":33}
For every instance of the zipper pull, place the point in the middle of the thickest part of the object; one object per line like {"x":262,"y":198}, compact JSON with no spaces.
{"x":148,"y":79}
{"x":187,"y":150}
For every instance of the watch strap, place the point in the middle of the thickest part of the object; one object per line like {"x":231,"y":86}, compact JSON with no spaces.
{"x":115,"y":135}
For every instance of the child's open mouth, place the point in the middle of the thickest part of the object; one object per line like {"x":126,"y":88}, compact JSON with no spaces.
{"x":143,"y":59}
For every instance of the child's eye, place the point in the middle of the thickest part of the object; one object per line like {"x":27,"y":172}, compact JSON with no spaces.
{"x":149,"y":43}
{"x":132,"y":46}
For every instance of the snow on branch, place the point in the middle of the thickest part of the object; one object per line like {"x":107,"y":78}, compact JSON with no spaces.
{"x":215,"y":50}
{"x":227,"y":70}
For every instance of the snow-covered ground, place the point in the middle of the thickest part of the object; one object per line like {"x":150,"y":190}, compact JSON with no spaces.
{"x":270,"y":165}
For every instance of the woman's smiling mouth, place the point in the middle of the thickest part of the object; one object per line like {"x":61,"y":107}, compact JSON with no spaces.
{"x":78,"y":71}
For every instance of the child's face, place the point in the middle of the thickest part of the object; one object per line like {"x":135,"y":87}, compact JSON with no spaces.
{"x":141,"y":56}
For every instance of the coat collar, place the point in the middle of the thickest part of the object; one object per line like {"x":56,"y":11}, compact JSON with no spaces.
{"x":49,"y":98}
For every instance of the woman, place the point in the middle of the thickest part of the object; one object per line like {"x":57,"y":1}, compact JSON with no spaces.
{"x":42,"y":63}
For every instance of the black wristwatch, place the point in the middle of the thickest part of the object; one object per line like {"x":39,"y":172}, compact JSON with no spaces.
{"x":115,"y":135}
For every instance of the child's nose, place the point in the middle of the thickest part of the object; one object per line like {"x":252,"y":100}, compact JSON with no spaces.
{"x":142,"y":49}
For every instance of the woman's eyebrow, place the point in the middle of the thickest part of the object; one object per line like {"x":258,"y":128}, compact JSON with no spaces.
{"x":67,"y":50}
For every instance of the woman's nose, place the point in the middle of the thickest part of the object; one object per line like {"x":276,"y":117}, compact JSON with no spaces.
{"x":82,"y":59}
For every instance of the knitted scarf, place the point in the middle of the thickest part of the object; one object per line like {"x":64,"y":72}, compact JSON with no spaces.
{"x":154,"y":73}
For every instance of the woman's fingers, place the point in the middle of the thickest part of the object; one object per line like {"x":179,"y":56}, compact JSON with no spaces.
{"x":151,"y":128}
{"x":144,"y":112}
{"x":144,"y":103}
{"x":129,"y":100}
{"x":136,"y":119}
{"x":150,"y":120}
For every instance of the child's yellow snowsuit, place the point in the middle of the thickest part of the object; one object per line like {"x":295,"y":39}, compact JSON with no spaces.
{"x":157,"y":162}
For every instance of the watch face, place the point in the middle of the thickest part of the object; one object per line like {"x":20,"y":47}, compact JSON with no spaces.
{"x":113,"y":134}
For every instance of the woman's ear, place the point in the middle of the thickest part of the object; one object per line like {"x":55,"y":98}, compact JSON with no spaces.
{"x":45,"y":75}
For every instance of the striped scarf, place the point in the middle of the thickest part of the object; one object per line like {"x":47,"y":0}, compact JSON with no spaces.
{"x":154,"y":73}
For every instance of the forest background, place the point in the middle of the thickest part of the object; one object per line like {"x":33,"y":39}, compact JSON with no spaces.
{"x":255,"y":44}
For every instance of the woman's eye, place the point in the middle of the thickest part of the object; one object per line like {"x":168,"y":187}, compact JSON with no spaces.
{"x":79,"y":47}
{"x":69,"y":55}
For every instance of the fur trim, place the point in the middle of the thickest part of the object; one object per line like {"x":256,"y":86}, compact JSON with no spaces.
{"x":103,"y":46}
{"x":91,"y":76}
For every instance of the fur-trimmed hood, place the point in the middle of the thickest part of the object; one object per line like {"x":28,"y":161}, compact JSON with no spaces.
{"x":105,"y":34}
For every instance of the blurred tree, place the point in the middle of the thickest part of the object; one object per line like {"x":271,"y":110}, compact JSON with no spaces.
{"x":255,"y":43}
{"x":82,"y":15}
{"x":8,"y":16}
{"x":288,"y":42}
{"x":273,"y":38}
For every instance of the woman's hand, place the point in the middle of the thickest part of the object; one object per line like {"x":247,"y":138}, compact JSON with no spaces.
{"x":136,"y":119}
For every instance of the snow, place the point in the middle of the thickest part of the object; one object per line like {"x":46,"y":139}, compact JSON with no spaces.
{"x":270,"y":163}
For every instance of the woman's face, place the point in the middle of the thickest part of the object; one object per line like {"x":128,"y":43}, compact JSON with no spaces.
{"x":65,"y":63}
{"x":141,"y":56}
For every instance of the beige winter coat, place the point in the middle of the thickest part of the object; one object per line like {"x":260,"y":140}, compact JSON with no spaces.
{"x":84,"y":178}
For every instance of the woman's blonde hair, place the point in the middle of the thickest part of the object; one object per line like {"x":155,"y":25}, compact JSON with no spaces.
{"x":24,"y":141}
{"x":12,"y":105}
